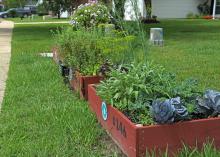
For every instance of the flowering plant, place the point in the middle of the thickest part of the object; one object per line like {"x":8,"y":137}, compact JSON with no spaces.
{"x":90,"y":15}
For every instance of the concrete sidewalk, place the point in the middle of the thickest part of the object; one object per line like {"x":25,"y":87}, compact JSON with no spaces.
{"x":6,"y":28}
{"x":37,"y":23}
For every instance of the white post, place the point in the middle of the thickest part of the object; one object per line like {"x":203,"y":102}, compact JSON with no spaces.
{"x":214,"y":10}
{"x":113,"y":6}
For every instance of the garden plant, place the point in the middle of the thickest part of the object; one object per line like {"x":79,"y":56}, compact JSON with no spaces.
{"x":143,"y":91}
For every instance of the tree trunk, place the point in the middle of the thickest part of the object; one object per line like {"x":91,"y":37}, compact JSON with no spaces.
{"x":58,"y":15}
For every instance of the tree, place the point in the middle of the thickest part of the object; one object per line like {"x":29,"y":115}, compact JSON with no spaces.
{"x":58,"y":6}
{"x":16,"y":3}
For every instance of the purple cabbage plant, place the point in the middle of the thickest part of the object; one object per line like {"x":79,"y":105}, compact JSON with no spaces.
{"x":168,"y":111}
{"x":209,"y":105}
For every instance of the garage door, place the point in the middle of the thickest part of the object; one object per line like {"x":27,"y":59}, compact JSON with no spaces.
{"x":175,"y":8}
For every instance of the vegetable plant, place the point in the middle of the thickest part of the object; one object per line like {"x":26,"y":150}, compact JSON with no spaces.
{"x":209,"y":105}
{"x":169,"y":111}
{"x":132,"y":89}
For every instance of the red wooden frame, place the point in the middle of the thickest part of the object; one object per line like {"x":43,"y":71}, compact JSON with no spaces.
{"x":80,"y":83}
{"x":135,"y":140}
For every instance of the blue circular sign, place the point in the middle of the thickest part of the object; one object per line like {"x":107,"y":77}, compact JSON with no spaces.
{"x":104,"y":111}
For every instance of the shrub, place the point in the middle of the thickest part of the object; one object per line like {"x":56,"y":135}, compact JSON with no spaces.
{"x":190,"y":15}
{"x":13,"y":13}
{"x":42,"y":10}
{"x":90,"y":15}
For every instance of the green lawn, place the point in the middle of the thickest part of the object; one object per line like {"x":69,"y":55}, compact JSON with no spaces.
{"x":191,"y":50}
{"x":40,"y":115}
{"x":36,"y":19}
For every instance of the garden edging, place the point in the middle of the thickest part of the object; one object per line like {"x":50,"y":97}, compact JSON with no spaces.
{"x":134,"y":139}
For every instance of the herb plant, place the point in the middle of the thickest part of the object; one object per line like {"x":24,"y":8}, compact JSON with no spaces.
{"x":116,"y":47}
{"x":134,"y":89}
{"x":79,"y":49}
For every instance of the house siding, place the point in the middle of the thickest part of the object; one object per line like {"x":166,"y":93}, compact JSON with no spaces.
{"x":175,"y":8}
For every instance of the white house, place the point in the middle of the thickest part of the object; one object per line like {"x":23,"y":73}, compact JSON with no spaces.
{"x":180,"y":8}
{"x":171,"y":8}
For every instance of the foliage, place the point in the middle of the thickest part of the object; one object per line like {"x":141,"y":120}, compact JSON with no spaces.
{"x":58,"y":6}
{"x":168,"y":111}
{"x":148,"y":5}
{"x":87,"y":50}
{"x":41,"y":126}
{"x":204,"y":8}
{"x":119,"y":9}
{"x":14,"y":3}
{"x":79,"y":49}
{"x":191,"y":15}
{"x":13,"y":13}
{"x":209,"y":105}
{"x":130,"y":86}
{"x":208,"y":149}
{"x":90,"y":15}
{"x":117,"y":47}
{"x":42,"y":10}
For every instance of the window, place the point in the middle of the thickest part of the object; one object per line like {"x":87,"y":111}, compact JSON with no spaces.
{"x":218,"y":7}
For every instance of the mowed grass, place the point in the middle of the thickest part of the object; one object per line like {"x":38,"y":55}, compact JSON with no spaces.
{"x":192,"y":49}
{"x":36,"y":19}
{"x":40,"y":115}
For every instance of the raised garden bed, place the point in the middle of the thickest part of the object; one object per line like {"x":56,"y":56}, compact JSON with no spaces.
{"x":80,"y":83}
{"x":135,"y":140}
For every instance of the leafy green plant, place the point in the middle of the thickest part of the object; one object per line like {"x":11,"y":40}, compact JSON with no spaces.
{"x":90,"y":15}
{"x":79,"y":49}
{"x":132,"y":88}
{"x":116,"y":47}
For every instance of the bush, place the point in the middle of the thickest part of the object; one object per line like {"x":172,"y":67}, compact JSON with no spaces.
{"x":190,"y":15}
{"x":90,"y":15}
{"x":13,"y":13}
